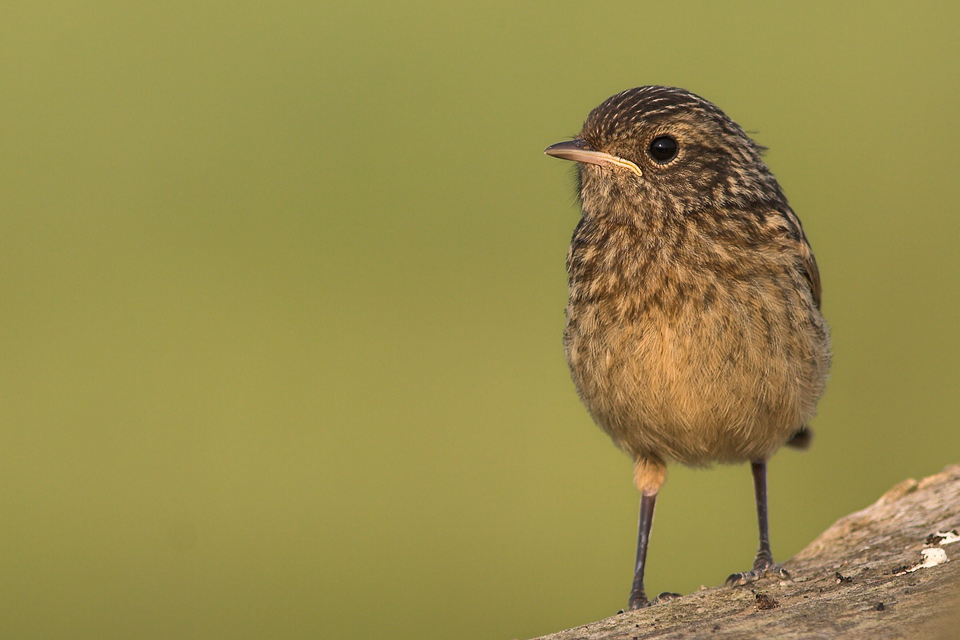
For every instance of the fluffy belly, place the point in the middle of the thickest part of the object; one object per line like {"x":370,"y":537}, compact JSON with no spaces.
{"x":699,"y":387}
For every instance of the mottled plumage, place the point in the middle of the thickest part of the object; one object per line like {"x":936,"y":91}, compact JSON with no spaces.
{"x":694,"y":331}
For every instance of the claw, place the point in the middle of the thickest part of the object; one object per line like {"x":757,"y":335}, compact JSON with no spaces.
{"x":666,"y":596}
{"x":740,"y":579}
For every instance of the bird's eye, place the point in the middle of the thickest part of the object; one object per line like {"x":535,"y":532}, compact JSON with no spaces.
{"x":663,"y":149}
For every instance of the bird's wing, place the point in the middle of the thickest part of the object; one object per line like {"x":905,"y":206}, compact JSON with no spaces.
{"x":808,"y":264}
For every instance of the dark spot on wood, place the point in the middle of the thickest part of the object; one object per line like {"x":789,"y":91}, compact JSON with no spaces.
{"x":765,"y":602}
{"x":935,"y":538}
{"x":880,"y":606}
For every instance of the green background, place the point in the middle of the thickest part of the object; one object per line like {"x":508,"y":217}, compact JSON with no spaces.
{"x":282,"y":302}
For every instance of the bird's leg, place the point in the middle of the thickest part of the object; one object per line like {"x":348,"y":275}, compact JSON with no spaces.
{"x":764,"y":562}
{"x":638,"y":596}
{"x":649,"y":476}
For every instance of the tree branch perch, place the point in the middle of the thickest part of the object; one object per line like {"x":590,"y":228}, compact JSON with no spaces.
{"x":891,"y":570}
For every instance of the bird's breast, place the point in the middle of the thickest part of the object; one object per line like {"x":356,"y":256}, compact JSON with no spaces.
{"x":678,"y":360}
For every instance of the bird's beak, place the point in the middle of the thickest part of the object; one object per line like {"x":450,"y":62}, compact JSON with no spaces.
{"x":579,"y":151}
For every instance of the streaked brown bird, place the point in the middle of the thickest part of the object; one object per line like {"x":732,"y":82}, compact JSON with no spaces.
{"x":694,"y":331}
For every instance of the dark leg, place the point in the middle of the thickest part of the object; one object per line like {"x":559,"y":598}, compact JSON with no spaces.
{"x":764,"y":562}
{"x":638,"y":597}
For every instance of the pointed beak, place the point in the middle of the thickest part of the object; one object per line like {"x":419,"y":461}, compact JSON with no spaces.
{"x":579,"y":151}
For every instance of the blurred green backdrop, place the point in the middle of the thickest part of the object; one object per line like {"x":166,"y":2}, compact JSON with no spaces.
{"x":283,"y":289}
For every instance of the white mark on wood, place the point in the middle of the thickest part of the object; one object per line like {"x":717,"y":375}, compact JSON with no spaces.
{"x":931,"y":558}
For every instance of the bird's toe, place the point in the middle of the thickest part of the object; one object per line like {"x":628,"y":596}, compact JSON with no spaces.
{"x":666,"y":596}
{"x":740,"y":579}
{"x":760,"y":569}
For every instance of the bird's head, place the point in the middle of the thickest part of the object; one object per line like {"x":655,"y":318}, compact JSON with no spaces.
{"x":664,"y":152}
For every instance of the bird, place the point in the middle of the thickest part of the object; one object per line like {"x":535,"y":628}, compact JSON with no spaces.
{"x":693,"y":333}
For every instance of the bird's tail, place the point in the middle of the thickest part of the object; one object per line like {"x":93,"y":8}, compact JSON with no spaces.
{"x":801,"y":438}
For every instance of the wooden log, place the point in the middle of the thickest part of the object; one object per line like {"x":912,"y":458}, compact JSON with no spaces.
{"x":889,"y":571}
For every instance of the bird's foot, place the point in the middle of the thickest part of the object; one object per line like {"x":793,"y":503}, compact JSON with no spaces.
{"x":760,"y":569}
{"x":666,"y":596}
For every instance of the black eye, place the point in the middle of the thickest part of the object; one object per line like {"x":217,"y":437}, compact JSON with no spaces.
{"x":663,"y":149}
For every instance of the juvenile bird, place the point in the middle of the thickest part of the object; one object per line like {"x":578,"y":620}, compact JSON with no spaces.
{"x":694,"y":331}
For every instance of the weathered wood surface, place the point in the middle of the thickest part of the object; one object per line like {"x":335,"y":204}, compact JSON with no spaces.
{"x":862,"y":578}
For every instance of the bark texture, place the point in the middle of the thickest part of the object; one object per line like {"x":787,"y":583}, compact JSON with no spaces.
{"x":889,"y":571}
